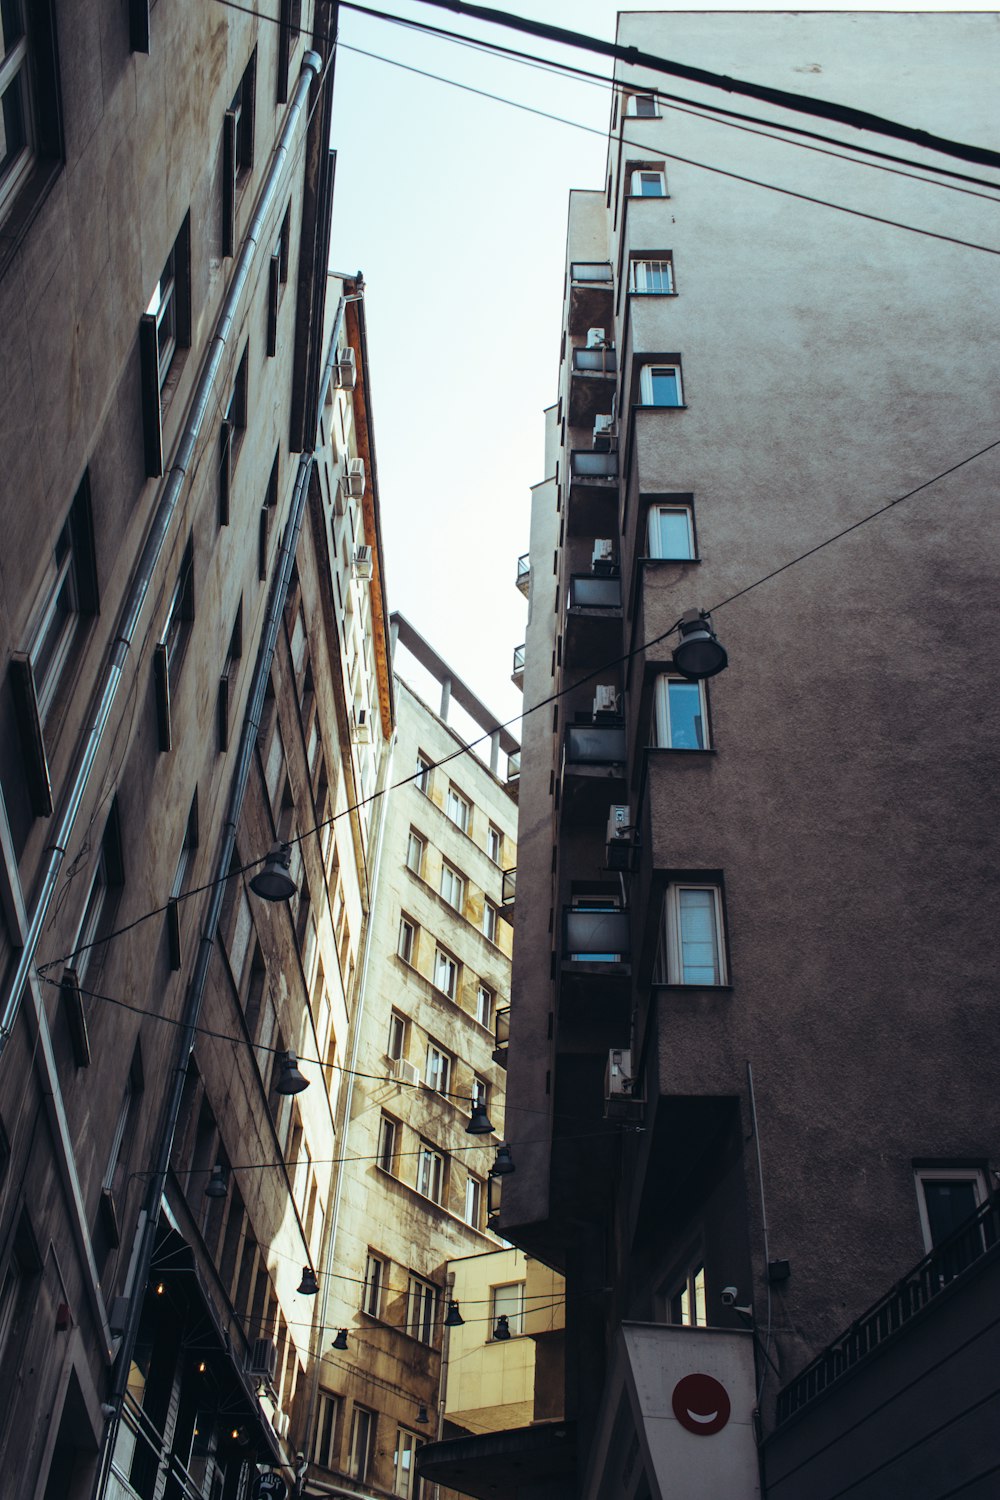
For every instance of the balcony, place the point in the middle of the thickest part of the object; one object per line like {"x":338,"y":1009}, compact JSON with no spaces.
{"x":517,"y":675}
{"x":595,"y":981}
{"x":593,"y":620}
{"x":592,"y":508}
{"x":597,"y":935}
{"x":594,"y":749}
{"x":593,"y":374}
{"x":591,"y":295}
{"x":507,"y":894}
{"x":501,"y":1035}
{"x":513,"y":780}
{"x":523,"y":580}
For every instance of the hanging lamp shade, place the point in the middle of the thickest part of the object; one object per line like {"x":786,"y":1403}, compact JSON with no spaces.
{"x":308,"y":1286}
{"x":502,"y":1329}
{"x":503,"y":1163}
{"x":480,"y":1122}
{"x":699,"y":652}
{"x":340,"y":1342}
{"x":217,"y":1185}
{"x":453,"y":1318}
{"x":273,"y":882}
{"x":422,"y":1416}
{"x":290,"y":1080}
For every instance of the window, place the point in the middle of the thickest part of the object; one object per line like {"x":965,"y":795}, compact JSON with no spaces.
{"x":485,"y":1002}
{"x":446,"y":973}
{"x":458,"y":809}
{"x":277,"y":278}
{"x":169,"y":653}
{"x":168,"y":315}
{"x":405,"y":1481}
{"x":243,"y":108}
{"x":946,"y":1197}
{"x":474,"y":1201}
{"x":480,"y":1091}
{"x":422,"y":780}
{"x":679,"y":717}
{"x":362,"y":1442}
{"x":179,"y":884}
{"x":490,"y":918}
{"x":98,"y":913}
{"x":371,"y":1295}
{"x":421,"y":1309}
{"x":642,"y":107}
{"x":686,"y":1304}
{"x":227,"y":681}
{"x":452,"y":887}
{"x":438,"y":1075}
{"x":691,"y":947}
{"x":396,"y":1045}
{"x":648,"y":182}
{"x":325,"y":1441}
{"x":431,"y":1173}
{"x":405,"y":941}
{"x":387,"y":1144}
{"x":660,"y":385}
{"x":494,"y":843}
{"x":20,"y":1278}
{"x":671,"y":532}
{"x":508,"y":1302}
{"x":651,"y":277}
{"x":415,"y":846}
{"x":231,"y":433}
{"x":291,"y":18}
{"x":28,"y":99}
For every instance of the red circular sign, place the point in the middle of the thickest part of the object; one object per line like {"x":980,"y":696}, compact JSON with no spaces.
{"x":701,"y":1404}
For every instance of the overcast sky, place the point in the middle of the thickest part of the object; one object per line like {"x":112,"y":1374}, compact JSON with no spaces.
{"x":454,"y":207}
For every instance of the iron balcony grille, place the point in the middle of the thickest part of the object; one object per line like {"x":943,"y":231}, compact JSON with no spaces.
{"x":938,"y":1271}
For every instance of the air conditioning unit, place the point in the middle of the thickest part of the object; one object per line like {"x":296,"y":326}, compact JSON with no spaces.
{"x":405,"y":1072}
{"x":354,"y":477}
{"x":362,"y":726}
{"x":605,"y":700}
{"x":603,"y":560}
{"x":620,"y":837}
{"x":281,"y":1423}
{"x":262,"y":1360}
{"x":622,"y":1096}
{"x":596,"y":338}
{"x":345,"y":371}
{"x":362,"y":562}
{"x":605,"y":432}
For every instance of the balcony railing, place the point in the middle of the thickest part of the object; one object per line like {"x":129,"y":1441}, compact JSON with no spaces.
{"x":523,"y":573}
{"x":501,"y":1035}
{"x":595,"y":744}
{"x":595,"y":361}
{"x":938,"y":1271}
{"x":590,"y":591}
{"x":508,"y":887}
{"x":586,"y":466}
{"x":589,"y":271}
{"x":517,"y":675}
{"x":591,"y":292}
{"x":514,"y":767}
{"x":596,"y":936}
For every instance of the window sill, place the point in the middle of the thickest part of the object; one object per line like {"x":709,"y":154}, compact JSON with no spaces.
{"x":674,"y":561}
{"x":688,"y":988}
{"x":676,"y":750}
{"x":653,"y":406}
{"x":633,"y":292}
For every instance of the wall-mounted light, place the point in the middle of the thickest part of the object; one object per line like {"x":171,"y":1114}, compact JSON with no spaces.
{"x":699,"y":652}
{"x":273,"y":882}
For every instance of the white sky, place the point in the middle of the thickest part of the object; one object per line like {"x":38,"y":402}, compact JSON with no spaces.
{"x":454,"y":207}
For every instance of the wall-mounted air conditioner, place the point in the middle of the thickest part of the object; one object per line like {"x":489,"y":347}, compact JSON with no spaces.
{"x":620,"y":837}
{"x":605,"y":432}
{"x":603,"y":560}
{"x":345,"y":371}
{"x":354,"y":477}
{"x":622,"y":1094}
{"x":605,"y":700}
{"x":262,"y":1359}
{"x":405,"y":1072}
{"x":362,"y":726}
{"x":596,"y":338}
{"x":362,"y":562}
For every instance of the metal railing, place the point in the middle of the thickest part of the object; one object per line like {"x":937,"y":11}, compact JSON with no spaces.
{"x":136,"y":1429}
{"x":595,"y":361}
{"x":584,"y":270}
{"x":589,"y":591}
{"x":585,"y":464}
{"x":523,"y":572}
{"x":938,"y":1271}
{"x":508,"y":887}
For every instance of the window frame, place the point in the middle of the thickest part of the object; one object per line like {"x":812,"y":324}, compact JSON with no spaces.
{"x":422,"y":1303}
{"x":388,"y":1136}
{"x":500,"y":1306}
{"x":404,"y":1464}
{"x":31,"y":67}
{"x":654,"y":539}
{"x":452,"y":886}
{"x":636,"y":175}
{"x":473,"y":1211}
{"x":650,"y":372}
{"x":415,"y":841}
{"x":662,"y":259}
{"x":432,"y":1173}
{"x":463,"y":807}
{"x":443,"y":958}
{"x":325,"y":1447}
{"x":395,"y":1046}
{"x":661,"y":723}
{"x":406,"y":940}
{"x":374,"y":1284}
{"x":944,"y":1173}
{"x":422,"y":778}
{"x":440,"y":1063}
{"x":490,"y":1007}
{"x":669,"y":962}
{"x":360,"y":1459}
{"x":686,"y":1304}
{"x":632,"y":113}
{"x":494,"y":843}
{"x":489,"y":925}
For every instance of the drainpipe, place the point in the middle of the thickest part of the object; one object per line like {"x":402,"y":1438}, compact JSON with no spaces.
{"x":156,"y":541}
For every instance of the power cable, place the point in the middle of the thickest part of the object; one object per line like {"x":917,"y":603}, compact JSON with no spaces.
{"x":467,"y":746}
{"x":799,"y":103}
{"x":771,"y":187}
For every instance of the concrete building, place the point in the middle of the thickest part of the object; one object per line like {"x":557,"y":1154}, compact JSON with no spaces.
{"x":752,"y":985}
{"x":195,"y":668}
{"x":415,"y":1187}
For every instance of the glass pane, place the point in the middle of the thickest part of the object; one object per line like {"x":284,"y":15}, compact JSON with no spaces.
{"x":686,"y":730}
{"x":13,"y":134}
{"x":949,"y":1204}
{"x":650,"y":185}
{"x":700,"y":1315}
{"x":663,"y":387}
{"x":699,"y":956}
{"x":670,"y":533}
{"x":11,"y":24}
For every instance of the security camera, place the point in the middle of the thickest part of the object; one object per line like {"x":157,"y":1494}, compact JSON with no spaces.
{"x":107,"y":1410}
{"x":729,"y":1295}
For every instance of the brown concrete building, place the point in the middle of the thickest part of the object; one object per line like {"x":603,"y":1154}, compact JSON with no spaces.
{"x":415,"y":1187}
{"x":195,"y":667}
{"x":753,"y":984}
